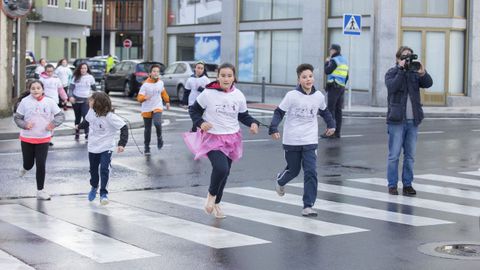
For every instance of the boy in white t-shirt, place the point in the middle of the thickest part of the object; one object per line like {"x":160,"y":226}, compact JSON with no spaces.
{"x":103,"y":126}
{"x":300,"y":135}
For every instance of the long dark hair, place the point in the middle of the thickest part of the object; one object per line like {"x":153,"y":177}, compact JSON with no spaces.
{"x":204,"y":68}
{"x":60,"y":62}
{"x":77,"y":74}
{"x":230,"y":66}
{"x":102,"y":104}
{"x":25,"y":93}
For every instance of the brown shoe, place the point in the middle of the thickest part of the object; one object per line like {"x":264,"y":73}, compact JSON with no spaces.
{"x":392,"y":191}
{"x":217,"y":211}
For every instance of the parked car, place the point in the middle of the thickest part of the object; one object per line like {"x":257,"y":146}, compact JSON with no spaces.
{"x":177,"y":73}
{"x":97,"y":68}
{"x":128,"y":76}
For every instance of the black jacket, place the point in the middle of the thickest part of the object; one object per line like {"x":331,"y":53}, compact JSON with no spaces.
{"x":400,"y":83}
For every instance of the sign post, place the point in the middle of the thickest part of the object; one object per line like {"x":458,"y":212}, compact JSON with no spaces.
{"x":127,"y":44}
{"x":352,"y":26}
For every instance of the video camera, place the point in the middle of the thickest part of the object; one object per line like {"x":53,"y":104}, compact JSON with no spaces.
{"x":410,"y":63}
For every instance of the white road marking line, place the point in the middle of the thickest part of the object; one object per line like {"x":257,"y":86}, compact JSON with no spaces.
{"x":296,"y":223}
{"x":431,"y":132}
{"x":336,"y":207}
{"x":7,"y":261}
{"x":449,"y":179}
{"x":474,"y":173}
{"x":95,"y":246}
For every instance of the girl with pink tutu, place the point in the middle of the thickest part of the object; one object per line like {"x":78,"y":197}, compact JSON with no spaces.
{"x":217,"y":111}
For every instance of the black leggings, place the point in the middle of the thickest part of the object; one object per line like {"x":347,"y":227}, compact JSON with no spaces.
{"x":221,"y":165}
{"x":80,"y":110}
{"x":157,"y":122}
{"x":35,"y":153}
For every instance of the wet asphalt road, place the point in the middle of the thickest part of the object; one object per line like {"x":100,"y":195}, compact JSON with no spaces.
{"x":144,"y":191}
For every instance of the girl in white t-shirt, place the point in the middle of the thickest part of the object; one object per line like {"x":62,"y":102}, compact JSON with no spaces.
{"x":195,"y":85}
{"x":300,"y":135}
{"x":79,"y":91}
{"x":40,"y":68}
{"x":52,"y":85}
{"x":104,"y":125}
{"x":64,"y":73}
{"x":37,"y":116}
{"x":216,"y":112}
{"x":152,"y":94}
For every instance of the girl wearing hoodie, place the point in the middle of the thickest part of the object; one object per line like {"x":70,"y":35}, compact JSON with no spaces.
{"x":195,"y":85}
{"x":152,"y":94}
{"x":217,"y":111}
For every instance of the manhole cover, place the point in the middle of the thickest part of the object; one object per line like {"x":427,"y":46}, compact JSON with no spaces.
{"x":452,"y":250}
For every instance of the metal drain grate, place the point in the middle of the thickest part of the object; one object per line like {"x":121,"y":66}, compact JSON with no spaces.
{"x":452,"y":250}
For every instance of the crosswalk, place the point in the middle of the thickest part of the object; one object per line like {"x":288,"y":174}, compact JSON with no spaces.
{"x":458,"y":196}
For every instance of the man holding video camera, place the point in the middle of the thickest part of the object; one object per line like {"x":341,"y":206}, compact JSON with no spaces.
{"x":404,"y":115}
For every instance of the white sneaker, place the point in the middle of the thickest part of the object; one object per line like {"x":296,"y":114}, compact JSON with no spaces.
{"x":103,"y":200}
{"x":309,"y":212}
{"x":43,"y":195}
{"x":22,"y":172}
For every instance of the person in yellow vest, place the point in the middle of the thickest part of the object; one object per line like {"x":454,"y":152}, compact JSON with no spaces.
{"x":336,"y":69}
{"x":109,"y":63}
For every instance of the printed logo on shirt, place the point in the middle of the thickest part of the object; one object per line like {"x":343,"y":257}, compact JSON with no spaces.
{"x":230,"y":110}
{"x":304,"y":113}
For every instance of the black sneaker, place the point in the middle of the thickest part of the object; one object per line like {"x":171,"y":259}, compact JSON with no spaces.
{"x":77,"y":135}
{"x":147,"y":151}
{"x":409,"y":191}
{"x":392,"y":191}
{"x":50,"y":144}
{"x":160,"y":143}
{"x":324,"y":136}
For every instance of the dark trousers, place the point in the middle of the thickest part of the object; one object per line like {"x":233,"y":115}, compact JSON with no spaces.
{"x":157,"y":122}
{"x":35,"y":153}
{"x":102,"y":161}
{"x":306,"y":158}
{"x":80,"y":110}
{"x":221,"y":165}
{"x":186,"y":94}
{"x":335,"y":96}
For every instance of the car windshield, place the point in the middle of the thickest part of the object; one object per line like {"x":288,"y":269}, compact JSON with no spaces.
{"x":96,"y":64}
{"x":145,"y":67}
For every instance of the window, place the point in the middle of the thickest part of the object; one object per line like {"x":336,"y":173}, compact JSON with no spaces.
{"x":82,"y":4}
{"x":52,"y":3}
{"x":181,"y":12}
{"x":74,"y":49}
{"x":68,"y":3}
{"x":259,"y":56}
{"x":253,"y":10}
{"x":339,"y":7}
{"x":359,"y":66}
{"x":434,"y":8}
{"x":188,"y":47}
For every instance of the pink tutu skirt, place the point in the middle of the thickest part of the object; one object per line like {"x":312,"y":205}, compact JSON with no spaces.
{"x":200,"y":143}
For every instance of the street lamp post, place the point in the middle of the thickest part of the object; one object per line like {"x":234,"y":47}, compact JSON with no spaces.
{"x":103,"y":28}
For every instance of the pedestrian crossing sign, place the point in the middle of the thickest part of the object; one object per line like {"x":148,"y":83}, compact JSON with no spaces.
{"x":352,"y":24}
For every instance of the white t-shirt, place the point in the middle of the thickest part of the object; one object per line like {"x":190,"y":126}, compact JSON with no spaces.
{"x":40,"y":114}
{"x":50,"y":87}
{"x":154,"y":91}
{"x":193,"y":83}
{"x":102,"y":131}
{"x":39,"y":70}
{"x":301,"y":124}
{"x":83,"y":86}
{"x":64,"y":74}
{"x":222,"y":109}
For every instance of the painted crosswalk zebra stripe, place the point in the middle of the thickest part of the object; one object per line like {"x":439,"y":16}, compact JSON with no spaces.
{"x":405,"y":200}
{"x":7,"y":261}
{"x":188,"y":230}
{"x":336,"y":207}
{"x":454,"y":192}
{"x":474,"y":173}
{"x":297,"y":223}
{"x":70,"y":236}
{"x":449,"y":179}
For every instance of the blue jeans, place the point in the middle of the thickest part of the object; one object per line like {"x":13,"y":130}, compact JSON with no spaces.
{"x":103,"y":161}
{"x":401,"y":136}
{"x":295,"y":160}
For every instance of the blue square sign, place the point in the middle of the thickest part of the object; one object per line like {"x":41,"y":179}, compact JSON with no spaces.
{"x":352,"y":24}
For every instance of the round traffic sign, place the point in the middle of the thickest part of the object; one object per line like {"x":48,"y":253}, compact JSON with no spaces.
{"x":127,"y":43}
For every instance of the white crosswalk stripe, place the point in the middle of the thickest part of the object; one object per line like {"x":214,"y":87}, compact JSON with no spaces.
{"x":203,"y":234}
{"x":342,"y":208}
{"x":385,"y":197}
{"x":454,"y":192}
{"x":262,"y":216}
{"x":449,"y":179}
{"x":474,"y":173}
{"x":11,"y":263}
{"x":73,"y":237}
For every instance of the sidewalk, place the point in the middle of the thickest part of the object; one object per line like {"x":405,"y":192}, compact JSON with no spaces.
{"x":8,"y":129}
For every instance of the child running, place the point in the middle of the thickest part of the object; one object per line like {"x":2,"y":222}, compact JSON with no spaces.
{"x":79,"y":91}
{"x":300,"y":135}
{"x":216,"y":112}
{"x":152,"y":94}
{"x":103,"y":124}
{"x":195,"y":85}
{"x":64,"y":73}
{"x":37,"y":116}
